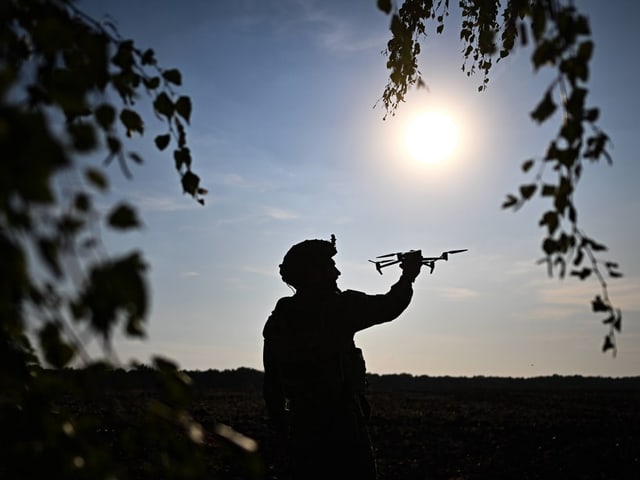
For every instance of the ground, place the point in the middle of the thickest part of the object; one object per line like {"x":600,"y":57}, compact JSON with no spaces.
{"x":445,"y":429}
{"x":477,"y":434}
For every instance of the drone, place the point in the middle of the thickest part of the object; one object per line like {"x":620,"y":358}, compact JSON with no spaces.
{"x":394,"y":258}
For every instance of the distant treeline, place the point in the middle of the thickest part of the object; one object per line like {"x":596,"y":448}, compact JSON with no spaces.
{"x":248,"y":379}
{"x":407,"y":382}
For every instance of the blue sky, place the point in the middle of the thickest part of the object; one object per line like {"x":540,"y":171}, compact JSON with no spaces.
{"x":286,"y":138}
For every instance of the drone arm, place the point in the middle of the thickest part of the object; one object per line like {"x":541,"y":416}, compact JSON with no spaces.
{"x":381,"y":265}
{"x":429,"y":262}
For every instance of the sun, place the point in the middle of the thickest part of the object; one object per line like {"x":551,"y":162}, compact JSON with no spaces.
{"x":431,"y":137}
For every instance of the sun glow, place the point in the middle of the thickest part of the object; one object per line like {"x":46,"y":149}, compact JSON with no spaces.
{"x":431,"y":137}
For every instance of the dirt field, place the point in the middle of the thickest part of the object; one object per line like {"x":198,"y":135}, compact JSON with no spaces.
{"x":473,"y":434}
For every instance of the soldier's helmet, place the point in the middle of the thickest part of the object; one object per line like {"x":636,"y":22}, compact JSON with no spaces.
{"x":302,"y":257}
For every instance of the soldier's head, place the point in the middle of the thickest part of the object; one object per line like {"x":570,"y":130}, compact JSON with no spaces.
{"x":309,"y":265}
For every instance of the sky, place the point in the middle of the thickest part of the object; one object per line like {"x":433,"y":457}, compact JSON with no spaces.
{"x":289,"y":138}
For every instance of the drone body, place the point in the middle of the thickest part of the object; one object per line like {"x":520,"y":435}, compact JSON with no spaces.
{"x":394,"y":258}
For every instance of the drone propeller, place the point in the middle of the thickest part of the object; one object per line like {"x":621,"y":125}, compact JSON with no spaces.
{"x":388,"y":255}
{"x":397,"y":254}
{"x":445,"y":255}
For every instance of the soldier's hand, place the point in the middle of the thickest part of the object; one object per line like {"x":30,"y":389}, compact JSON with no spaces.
{"x":411,"y":264}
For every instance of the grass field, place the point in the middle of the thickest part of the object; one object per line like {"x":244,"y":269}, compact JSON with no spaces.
{"x":475,"y":434}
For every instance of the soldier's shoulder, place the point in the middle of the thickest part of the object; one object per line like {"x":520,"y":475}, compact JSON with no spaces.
{"x":284,"y":302}
{"x":352,"y":294}
{"x":353,"y":299}
{"x":279,"y":313}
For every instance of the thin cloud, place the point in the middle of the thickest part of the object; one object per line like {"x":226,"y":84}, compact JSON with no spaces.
{"x":262,"y":270}
{"x":189,"y":274}
{"x":343,"y":220}
{"x":553,"y":313}
{"x":336,"y":35}
{"x":340,"y":37}
{"x":328,"y":30}
{"x":235,"y":180}
{"x":167,"y":203}
{"x":258,"y":184}
{"x":458,"y":293}
{"x":260,"y":215}
{"x":624,"y":293}
{"x":280,"y":214}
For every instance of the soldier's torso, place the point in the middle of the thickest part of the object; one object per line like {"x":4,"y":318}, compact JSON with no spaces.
{"x":317,"y":354}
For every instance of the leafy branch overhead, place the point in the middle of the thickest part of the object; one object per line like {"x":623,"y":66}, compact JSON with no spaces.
{"x":559,"y":37}
{"x":138,"y":68}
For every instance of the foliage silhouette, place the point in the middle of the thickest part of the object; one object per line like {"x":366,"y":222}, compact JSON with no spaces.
{"x":560,"y":39}
{"x":68,"y":91}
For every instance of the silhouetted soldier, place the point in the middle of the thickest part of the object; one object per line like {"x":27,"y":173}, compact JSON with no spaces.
{"x":314,"y":373}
